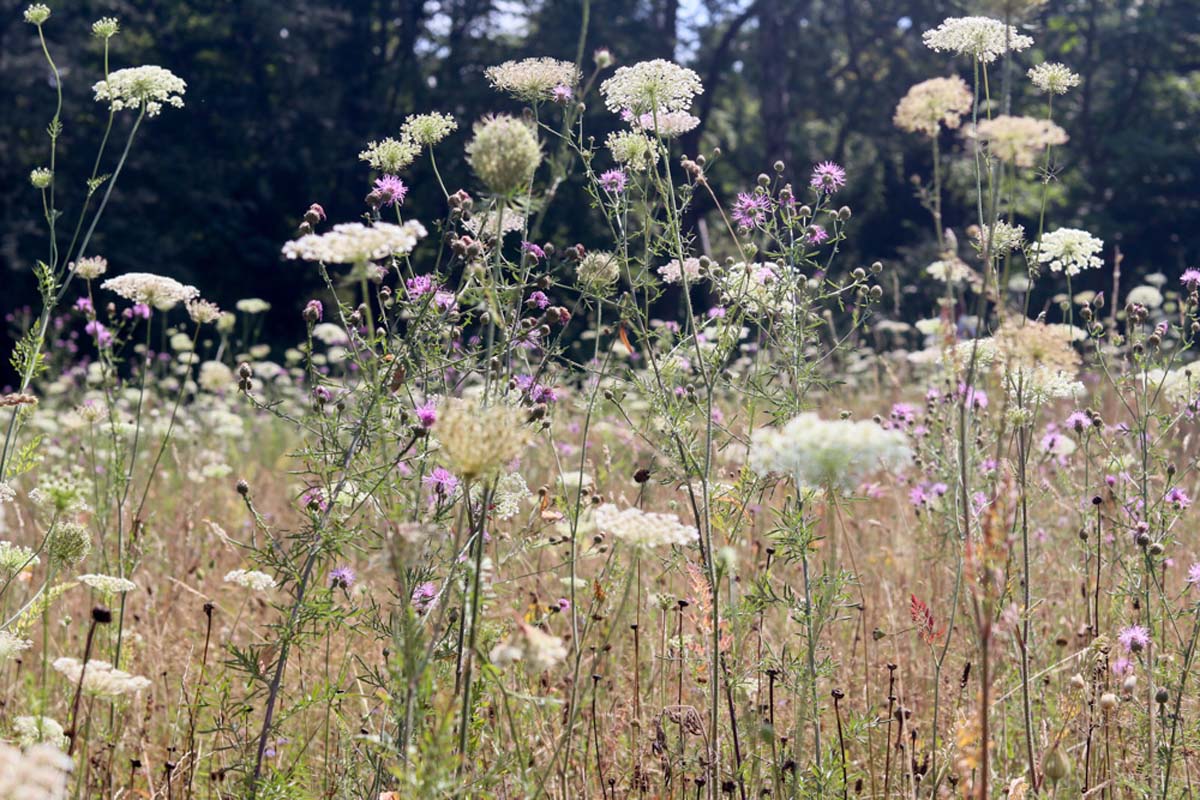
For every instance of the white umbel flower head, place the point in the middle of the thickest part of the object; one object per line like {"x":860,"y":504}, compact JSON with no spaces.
{"x":90,"y":268}
{"x":12,"y":646}
{"x":644,"y":529}
{"x":533,"y":79}
{"x":632,"y":149}
{"x":667,"y":124}
{"x":355,"y":243}
{"x":427,"y":130}
{"x":933,"y":103}
{"x":40,"y":772}
{"x":40,"y":730}
{"x":1069,"y":250}
{"x":251,"y":579}
{"x":108,"y":584}
{"x":982,"y":38}
{"x":147,"y":87}
{"x":656,"y":85}
{"x":101,"y":678}
{"x":504,"y":153}
{"x":1147,"y":296}
{"x":1053,"y":78}
{"x":835,"y":454}
{"x":539,"y":650}
{"x":390,"y":155}
{"x":158,"y":291}
{"x":1019,"y":140}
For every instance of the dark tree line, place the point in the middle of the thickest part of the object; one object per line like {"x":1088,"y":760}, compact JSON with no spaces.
{"x":283,"y":94}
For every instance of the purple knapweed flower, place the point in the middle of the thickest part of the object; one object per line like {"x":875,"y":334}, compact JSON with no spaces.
{"x":538,"y":299}
{"x":816,"y":234}
{"x":750,"y":210}
{"x":84,"y":304}
{"x":418,"y":286}
{"x":98,"y":332}
{"x":426,"y":414}
{"x":1193,"y":576}
{"x":424,"y":597}
{"x":314,"y":311}
{"x":341,"y":578}
{"x":442,"y":481}
{"x":1134,"y":638}
{"x":1191,"y":279}
{"x":533,"y":250}
{"x":1178,"y":498}
{"x":391,"y":190}
{"x":614,"y":181}
{"x":828,"y":177}
{"x":314,"y":499}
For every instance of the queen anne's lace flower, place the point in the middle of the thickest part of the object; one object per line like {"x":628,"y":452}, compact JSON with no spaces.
{"x":477,"y":441}
{"x":1069,"y":250}
{"x":40,"y":772}
{"x":251,"y":579}
{"x":11,"y":646}
{"x":533,"y":79}
{"x":101,"y":678}
{"x":1041,"y":385}
{"x":390,"y":155}
{"x":1179,"y":387}
{"x":1019,"y":140}
{"x":651,"y":85}
{"x":1147,"y":296}
{"x":1053,"y":78}
{"x":158,"y":291}
{"x":667,"y":124}
{"x":632,"y":149}
{"x":427,"y":130}
{"x":1006,"y":239}
{"x":90,"y":268}
{"x":979,"y":37}
{"x":933,"y":103}
{"x":356,"y":243}
{"x":818,"y":453}
{"x":40,"y":730}
{"x":14,"y":557}
{"x":146,"y":87}
{"x":598,"y":270}
{"x":644,"y":529}
{"x":672,"y":272}
{"x":505,"y":153}
{"x":539,"y":650}
{"x":108,"y":584}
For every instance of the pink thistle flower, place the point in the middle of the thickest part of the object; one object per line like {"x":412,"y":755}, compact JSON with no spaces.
{"x":426,"y":414}
{"x":424,"y":597}
{"x":816,"y":234}
{"x":442,"y":481}
{"x":828,"y":177}
{"x":1193,"y":576}
{"x":1190,"y":278}
{"x":533,"y":250}
{"x":614,"y":181}
{"x":750,"y":210}
{"x":1134,"y":638}
{"x":341,"y":578}
{"x":561,"y":94}
{"x":391,"y":190}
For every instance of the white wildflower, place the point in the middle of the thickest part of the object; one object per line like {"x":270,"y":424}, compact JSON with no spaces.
{"x":11,"y":646}
{"x":158,"y":291}
{"x":146,"y":87}
{"x":933,"y":103}
{"x":252,"y":305}
{"x":539,"y":650}
{"x":632,"y":149}
{"x":644,"y":529}
{"x":251,"y":579}
{"x":818,"y":453}
{"x":656,"y":85}
{"x":1053,"y":78}
{"x":90,"y":268}
{"x":40,"y":730}
{"x":533,"y":79}
{"x":1069,"y":250}
{"x":390,"y":155}
{"x":108,"y":584}
{"x":15,"y":557}
{"x":203,"y":312}
{"x":40,"y":772}
{"x":667,"y":124}
{"x":101,"y":678}
{"x":427,"y":130}
{"x":355,"y":243}
{"x":672,"y":272}
{"x":979,"y":37}
{"x":1146,"y":296}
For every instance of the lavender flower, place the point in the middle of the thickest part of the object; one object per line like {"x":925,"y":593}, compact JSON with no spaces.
{"x":614,"y":181}
{"x":1134,"y":638}
{"x":341,"y":578}
{"x":442,"y":481}
{"x":391,"y":190}
{"x":828,"y":177}
{"x":750,"y":210}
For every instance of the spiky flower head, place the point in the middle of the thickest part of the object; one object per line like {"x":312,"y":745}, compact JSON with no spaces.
{"x":632,"y":149}
{"x":106,"y":27}
{"x":158,"y":291}
{"x":429,"y":129}
{"x":644,"y":529}
{"x":504,"y":152}
{"x":390,"y":155}
{"x":533,"y":79}
{"x":1069,"y":250}
{"x":476,"y":440}
{"x":598,"y":270}
{"x":148,"y":87}
{"x":1019,"y":140}
{"x":69,"y":542}
{"x":981,"y":38}
{"x":656,"y":85}
{"x":91,"y":267}
{"x":37,"y":13}
{"x":933,"y":103}
{"x":1053,"y":78}
{"x":356,"y":243}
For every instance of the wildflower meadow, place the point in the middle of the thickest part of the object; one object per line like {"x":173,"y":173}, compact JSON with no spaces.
{"x":696,"y":509}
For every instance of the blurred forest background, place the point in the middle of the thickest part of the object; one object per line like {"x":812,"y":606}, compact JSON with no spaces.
{"x":283,"y":94}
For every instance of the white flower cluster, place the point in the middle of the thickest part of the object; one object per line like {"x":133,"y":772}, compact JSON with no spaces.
{"x":933,"y":103}
{"x":14,"y":557}
{"x":511,"y":491}
{"x":355,"y":243}
{"x":12,"y":645}
{"x":39,"y":772}
{"x":533,"y":79}
{"x":427,"y":130}
{"x":1006,"y":238}
{"x":632,"y":149}
{"x":1179,"y":387}
{"x":667,"y":124}
{"x":158,"y":291}
{"x":648,"y":86}
{"x":108,"y":584}
{"x":539,"y":650}
{"x":1041,"y":385}
{"x":251,"y":579}
{"x":1147,"y":296}
{"x":40,"y":730}
{"x":835,"y":454}
{"x":101,"y":678}
{"x":949,"y":270}
{"x":982,"y":38}
{"x":644,"y":529}
{"x":756,"y":287}
{"x":390,"y":155}
{"x":90,"y":268}
{"x":137,"y":87}
{"x":673,"y":272}
{"x":1070,"y":250}
{"x":1053,"y":78}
